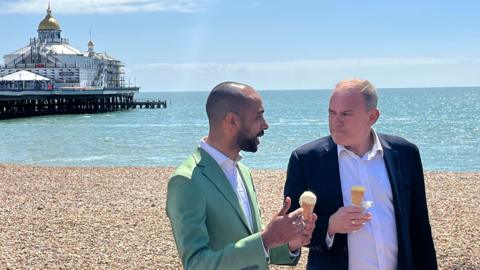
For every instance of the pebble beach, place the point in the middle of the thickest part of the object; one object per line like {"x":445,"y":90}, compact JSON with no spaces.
{"x":114,"y":218}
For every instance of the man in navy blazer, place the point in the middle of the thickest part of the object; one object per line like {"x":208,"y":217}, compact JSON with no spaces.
{"x":395,"y":232}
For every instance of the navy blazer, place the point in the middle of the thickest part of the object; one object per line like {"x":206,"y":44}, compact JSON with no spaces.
{"x":314,"y":167}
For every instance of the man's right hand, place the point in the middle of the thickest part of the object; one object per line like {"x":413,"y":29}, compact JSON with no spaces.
{"x":283,"y":227}
{"x":347,"y":219}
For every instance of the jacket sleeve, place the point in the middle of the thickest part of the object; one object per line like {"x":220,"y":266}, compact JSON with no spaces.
{"x":295,"y":185}
{"x":424,"y":256}
{"x":186,"y":209}
{"x":279,"y":255}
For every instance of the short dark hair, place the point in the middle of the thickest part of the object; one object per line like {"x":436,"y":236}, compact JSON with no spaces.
{"x":224,"y":98}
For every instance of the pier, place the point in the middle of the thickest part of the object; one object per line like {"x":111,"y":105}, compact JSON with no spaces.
{"x":35,"y":106}
{"x":49,"y":76}
{"x":25,"y":103}
{"x":148,"y":104}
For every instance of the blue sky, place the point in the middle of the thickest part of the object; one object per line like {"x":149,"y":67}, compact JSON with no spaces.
{"x":189,"y":45}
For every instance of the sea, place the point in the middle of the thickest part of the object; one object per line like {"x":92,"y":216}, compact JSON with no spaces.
{"x":443,"y":122}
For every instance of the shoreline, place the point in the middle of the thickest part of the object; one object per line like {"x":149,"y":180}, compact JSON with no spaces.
{"x":114,"y":217}
{"x":169,"y":167}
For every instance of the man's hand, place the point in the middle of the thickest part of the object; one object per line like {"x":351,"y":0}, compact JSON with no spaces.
{"x":284,"y":227}
{"x":305,"y":236}
{"x":347,"y":219}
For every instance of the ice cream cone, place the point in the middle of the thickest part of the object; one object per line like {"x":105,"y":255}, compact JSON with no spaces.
{"x":307,"y":201}
{"x":357,"y":195}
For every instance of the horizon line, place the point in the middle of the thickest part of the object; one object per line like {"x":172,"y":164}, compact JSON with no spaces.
{"x":316,"y":89}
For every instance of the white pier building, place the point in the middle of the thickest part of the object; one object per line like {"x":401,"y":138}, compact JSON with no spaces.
{"x":49,"y":76}
{"x":67,"y":68}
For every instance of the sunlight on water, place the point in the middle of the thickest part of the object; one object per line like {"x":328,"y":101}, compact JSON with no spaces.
{"x":444,"y":123}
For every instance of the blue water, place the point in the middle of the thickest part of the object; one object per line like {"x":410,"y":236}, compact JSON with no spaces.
{"x":443,"y":122}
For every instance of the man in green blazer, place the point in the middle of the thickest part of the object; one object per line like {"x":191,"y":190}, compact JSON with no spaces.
{"x":211,"y":200}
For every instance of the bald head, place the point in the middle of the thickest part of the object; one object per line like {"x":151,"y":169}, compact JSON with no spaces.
{"x":228,"y":97}
{"x":364,"y":87}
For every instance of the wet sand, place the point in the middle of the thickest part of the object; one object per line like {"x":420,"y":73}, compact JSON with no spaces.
{"x":114,"y":218}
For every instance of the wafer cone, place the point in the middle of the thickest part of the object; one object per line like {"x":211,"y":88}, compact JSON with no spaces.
{"x":307,"y":201}
{"x":357,"y":195}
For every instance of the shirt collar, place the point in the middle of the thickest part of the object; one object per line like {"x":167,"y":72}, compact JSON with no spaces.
{"x":376,"y":148}
{"x":218,"y":156}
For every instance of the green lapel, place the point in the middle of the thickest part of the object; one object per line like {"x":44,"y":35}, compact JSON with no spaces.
{"x":214,"y":174}
{"x":254,"y":207}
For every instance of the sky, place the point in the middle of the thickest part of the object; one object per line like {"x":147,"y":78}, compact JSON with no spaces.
{"x":192,"y":45}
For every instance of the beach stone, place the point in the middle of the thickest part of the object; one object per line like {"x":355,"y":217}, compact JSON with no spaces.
{"x":114,"y":218}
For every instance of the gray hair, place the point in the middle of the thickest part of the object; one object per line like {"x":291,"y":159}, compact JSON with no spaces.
{"x":367,"y":90}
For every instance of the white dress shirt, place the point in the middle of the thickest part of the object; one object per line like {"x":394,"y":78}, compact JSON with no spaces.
{"x":374,"y":246}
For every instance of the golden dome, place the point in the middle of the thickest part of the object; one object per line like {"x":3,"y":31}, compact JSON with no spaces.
{"x":49,"y":22}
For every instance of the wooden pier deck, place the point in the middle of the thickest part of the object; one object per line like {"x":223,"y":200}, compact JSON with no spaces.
{"x":16,"y":104}
{"x":150,"y":104}
{"x":47,"y":105}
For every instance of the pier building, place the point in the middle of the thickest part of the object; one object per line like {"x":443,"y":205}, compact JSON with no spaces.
{"x":49,"y":76}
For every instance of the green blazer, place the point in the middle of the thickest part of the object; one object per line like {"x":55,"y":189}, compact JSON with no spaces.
{"x":209,"y":227}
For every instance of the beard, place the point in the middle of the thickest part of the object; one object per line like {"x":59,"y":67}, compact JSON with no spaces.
{"x":249,"y":144}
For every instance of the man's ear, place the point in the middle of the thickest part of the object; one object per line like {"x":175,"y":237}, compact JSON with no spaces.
{"x":373,"y":116}
{"x":232,"y":121}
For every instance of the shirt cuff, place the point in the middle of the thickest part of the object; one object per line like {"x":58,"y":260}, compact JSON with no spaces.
{"x":267,"y":252}
{"x":329,"y":240}
{"x":295,"y":253}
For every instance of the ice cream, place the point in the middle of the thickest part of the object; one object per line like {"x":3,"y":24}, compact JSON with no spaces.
{"x":357,"y":195}
{"x":307,"y":201}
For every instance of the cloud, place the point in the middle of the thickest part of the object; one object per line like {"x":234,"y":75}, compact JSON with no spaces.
{"x":311,"y":74}
{"x":209,"y":67}
{"x":100,"y":6}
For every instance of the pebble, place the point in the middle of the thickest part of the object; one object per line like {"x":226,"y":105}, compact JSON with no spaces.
{"x":114,"y":218}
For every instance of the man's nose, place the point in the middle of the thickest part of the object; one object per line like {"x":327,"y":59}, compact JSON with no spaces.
{"x":265,"y":125}
{"x":337,"y":120}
